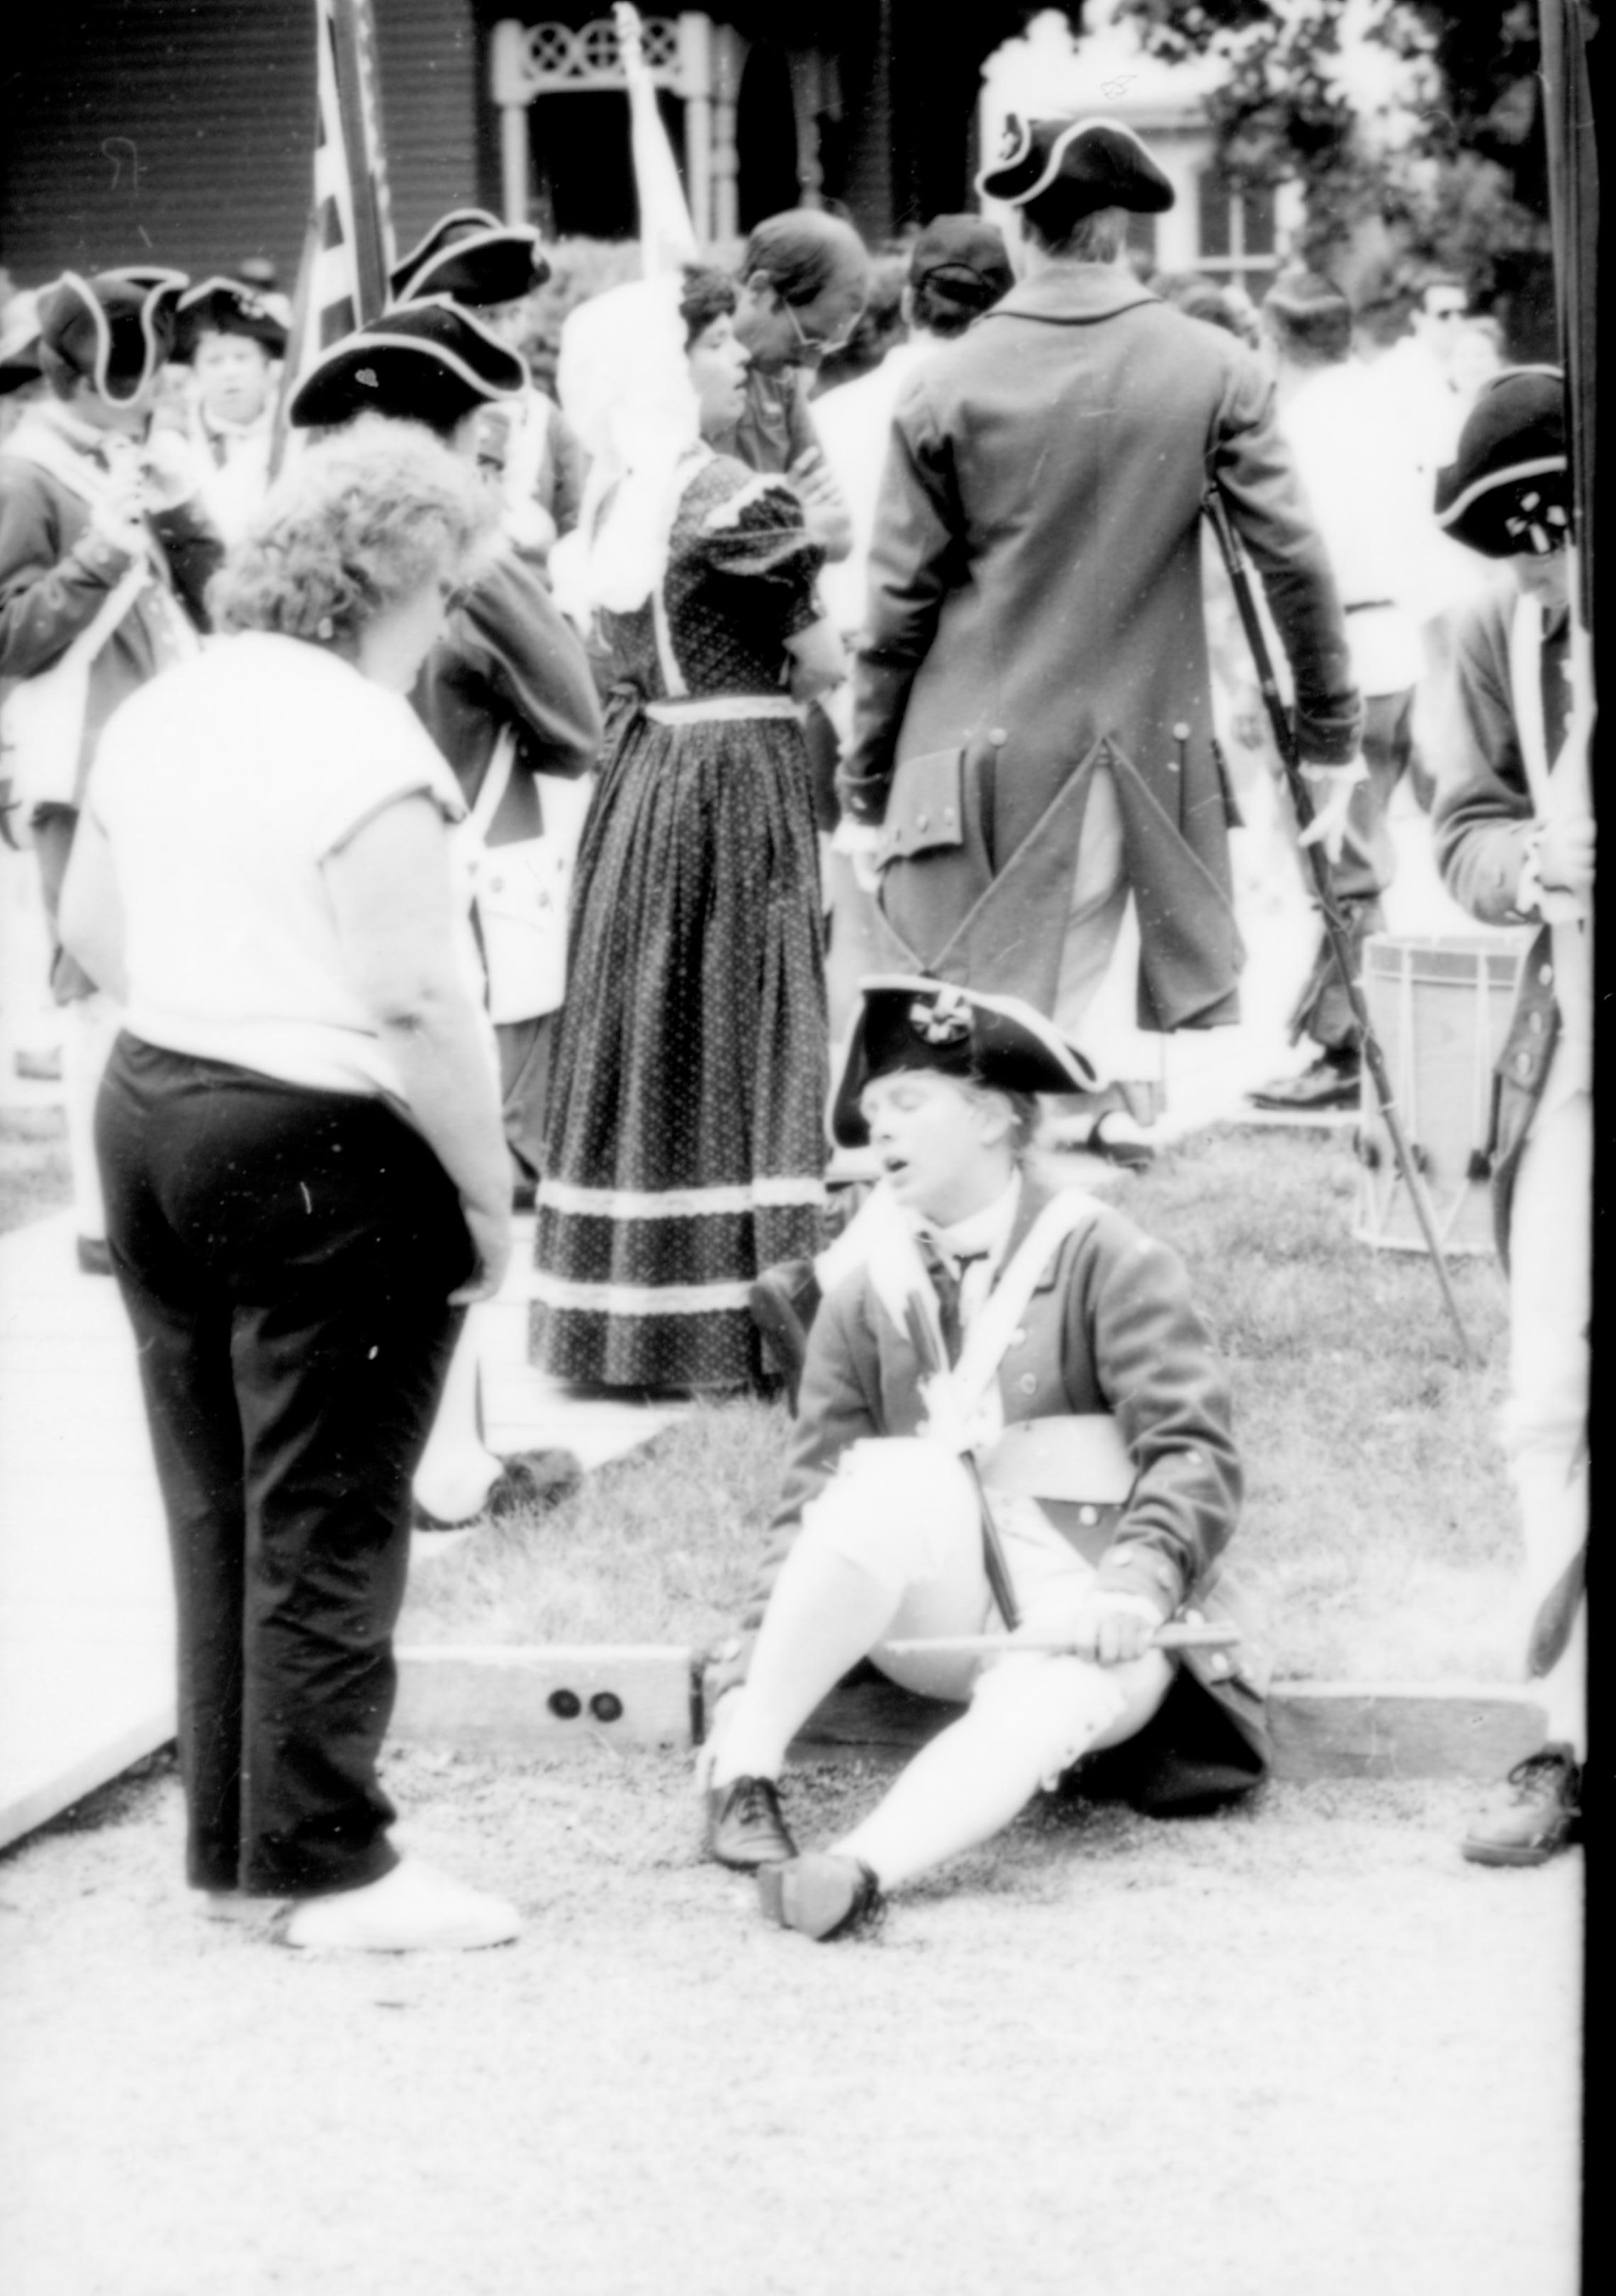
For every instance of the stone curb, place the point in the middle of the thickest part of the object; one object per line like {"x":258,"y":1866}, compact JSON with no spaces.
{"x":541,"y":1699}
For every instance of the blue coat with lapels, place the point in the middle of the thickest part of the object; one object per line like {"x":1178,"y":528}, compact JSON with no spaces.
{"x":1109,"y":1328}
{"x":1035,"y":607}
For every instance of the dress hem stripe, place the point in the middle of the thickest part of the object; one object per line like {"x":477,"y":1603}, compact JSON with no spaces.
{"x":766,"y":1195}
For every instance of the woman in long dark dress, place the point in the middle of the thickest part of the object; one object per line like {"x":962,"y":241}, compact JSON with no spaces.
{"x":687,"y":1148}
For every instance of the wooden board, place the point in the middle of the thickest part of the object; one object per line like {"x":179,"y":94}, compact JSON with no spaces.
{"x":1402,"y":1730}
{"x":545,"y":1698}
{"x":1321,"y":1730}
{"x":540,"y":1697}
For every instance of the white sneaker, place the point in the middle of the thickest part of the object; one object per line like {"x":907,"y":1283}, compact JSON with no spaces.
{"x":235,"y":1905}
{"x":413,"y":1909}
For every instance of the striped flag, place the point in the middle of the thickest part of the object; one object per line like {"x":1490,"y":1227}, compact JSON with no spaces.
{"x":352,"y":210}
{"x":348,"y":251}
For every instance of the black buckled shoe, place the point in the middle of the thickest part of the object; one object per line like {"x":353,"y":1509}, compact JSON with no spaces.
{"x":1333,"y":1081}
{"x":820,"y":1895}
{"x":1531,"y":1816}
{"x":744,"y":1827}
{"x":534,"y":1479}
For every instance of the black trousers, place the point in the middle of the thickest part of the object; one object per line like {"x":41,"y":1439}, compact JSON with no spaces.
{"x":286,"y":1259}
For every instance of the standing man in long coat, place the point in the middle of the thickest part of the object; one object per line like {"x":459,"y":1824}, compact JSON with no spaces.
{"x":1033,"y":730}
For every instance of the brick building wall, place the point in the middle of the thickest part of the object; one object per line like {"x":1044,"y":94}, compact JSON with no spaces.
{"x":181,"y":131}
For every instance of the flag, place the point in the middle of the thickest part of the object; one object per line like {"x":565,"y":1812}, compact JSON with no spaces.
{"x":347,"y":252}
{"x":352,"y":208}
{"x":668,"y":237}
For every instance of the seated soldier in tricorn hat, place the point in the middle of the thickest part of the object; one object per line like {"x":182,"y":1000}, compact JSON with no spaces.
{"x":1011,"y":1414}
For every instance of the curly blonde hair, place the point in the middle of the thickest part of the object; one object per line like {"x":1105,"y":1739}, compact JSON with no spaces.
{"x":364,"y":520}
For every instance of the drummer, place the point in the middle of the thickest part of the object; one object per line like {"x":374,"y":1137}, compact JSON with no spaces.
{"x":990,"y":1304}
{"x":1515,"y":834}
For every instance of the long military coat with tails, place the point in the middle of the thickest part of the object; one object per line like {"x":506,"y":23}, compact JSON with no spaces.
{"x":1036,"y":606}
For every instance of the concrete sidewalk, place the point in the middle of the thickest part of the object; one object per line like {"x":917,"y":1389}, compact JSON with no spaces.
{"x":86,"y":1632}
{"x":86,"y":1610}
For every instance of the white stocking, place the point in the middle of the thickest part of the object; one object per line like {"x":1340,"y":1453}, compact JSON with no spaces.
{"x":1031,"y":1718}
{"x":824,"y":1614}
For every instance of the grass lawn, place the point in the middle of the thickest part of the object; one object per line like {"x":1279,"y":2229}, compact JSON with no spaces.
{"x":1378,"y":1541}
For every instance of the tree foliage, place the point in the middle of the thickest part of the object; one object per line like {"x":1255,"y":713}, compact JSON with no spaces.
{"x":1456,"y":177}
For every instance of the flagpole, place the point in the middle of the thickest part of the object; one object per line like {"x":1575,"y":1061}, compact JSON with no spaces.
{"x":370,"y":258}
{"x":296,"y":341}
{"x":343,"y":277}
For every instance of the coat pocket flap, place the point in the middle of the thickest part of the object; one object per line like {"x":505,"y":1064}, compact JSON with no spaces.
{"x":925,"y":812}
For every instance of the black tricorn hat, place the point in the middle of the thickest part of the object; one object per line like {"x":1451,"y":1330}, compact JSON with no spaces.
{"x":20,"y":340}
{"x":1102,"y":161}
{"x":1507,"y":490}
{"x":428,"y":362}
{"x":114,"y":331}
{"x":907,"y":1021}
{"x":229,"y":306}
{"x":471,"y":255}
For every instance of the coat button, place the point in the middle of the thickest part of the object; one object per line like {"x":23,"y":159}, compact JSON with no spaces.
{"x":1089,"y":1515}
{"x":1029,"y":1382}
{"x":922,"y":821}
{"x":1018,"y":1338}
{"x":1523,"y":1064}
{"x":1181,"y":732}
{"x":1546,"y":974}
{"x":998,"y":737}
{"x":1534,"y":1021}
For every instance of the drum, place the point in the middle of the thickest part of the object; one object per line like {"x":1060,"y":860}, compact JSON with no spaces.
{"x":1440,"y":1005}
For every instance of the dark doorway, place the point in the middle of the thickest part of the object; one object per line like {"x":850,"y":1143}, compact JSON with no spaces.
{"x":582,"y":174}
{"x":766,"y":135}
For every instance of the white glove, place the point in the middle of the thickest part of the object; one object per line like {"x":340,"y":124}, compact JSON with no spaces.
{"x":860,"y":842}
{"x":1331,"y":787}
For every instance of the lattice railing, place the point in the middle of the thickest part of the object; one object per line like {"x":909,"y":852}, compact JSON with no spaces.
{"x":560,"y":59}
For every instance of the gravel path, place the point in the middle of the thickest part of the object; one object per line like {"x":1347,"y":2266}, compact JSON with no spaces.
{"x":1303,"y":2051}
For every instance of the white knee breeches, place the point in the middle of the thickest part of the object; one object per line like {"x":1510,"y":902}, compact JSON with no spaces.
{"x":904,"y":1511}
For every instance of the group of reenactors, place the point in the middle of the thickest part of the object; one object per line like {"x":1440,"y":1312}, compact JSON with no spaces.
{"x":1013,"y":1466}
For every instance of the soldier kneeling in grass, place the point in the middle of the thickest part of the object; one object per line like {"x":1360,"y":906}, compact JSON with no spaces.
{"x":1012,"y":1417}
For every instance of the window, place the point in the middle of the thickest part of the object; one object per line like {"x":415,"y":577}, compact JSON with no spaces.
{"x":1237,"y":235}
